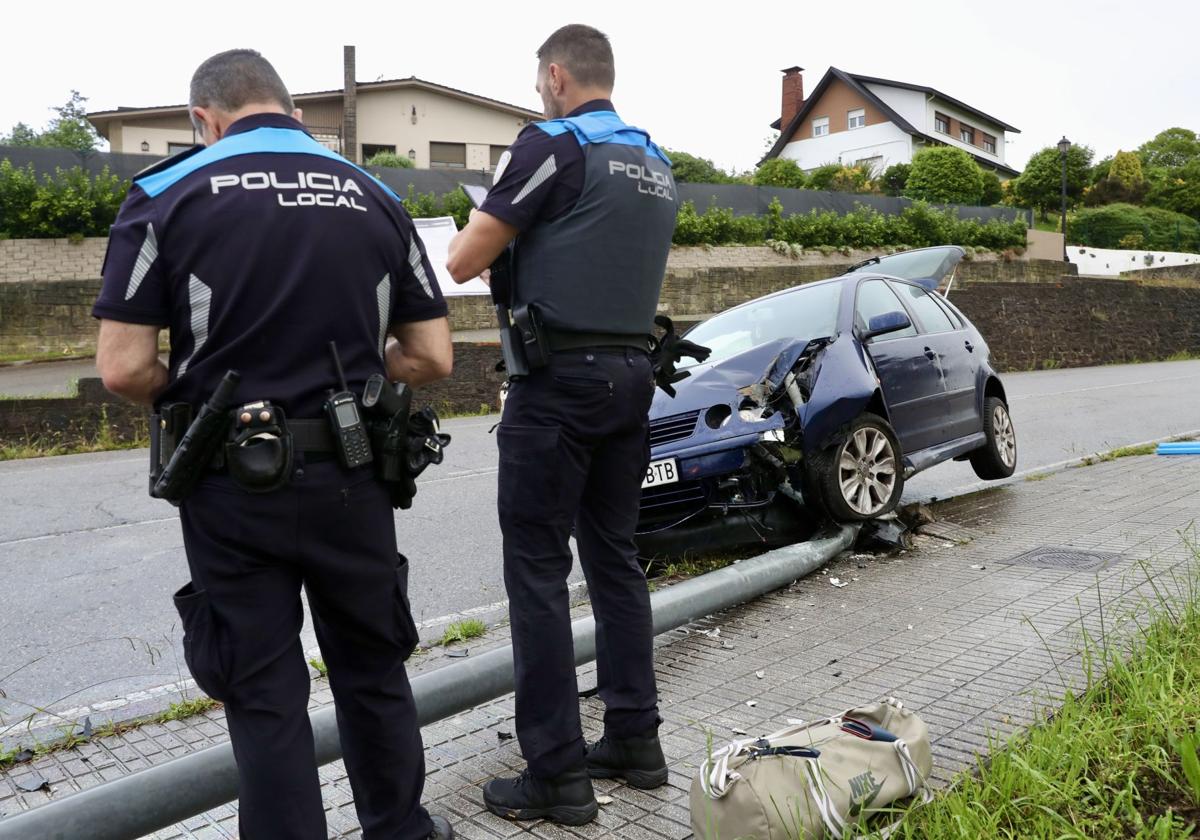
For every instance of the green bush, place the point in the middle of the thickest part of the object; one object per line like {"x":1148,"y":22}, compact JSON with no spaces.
{"x":390,"y":159}
{"x":780,"y":172}
{"x":429,"y":205}
{"x":822,"y":177}
{"x":69,"y":203}
{"x":944,"y":174}
{"x":895,"y":178}
{"x":992,"y":193}
{"x":1114,"y":224}
{"x":852,"y":179}
{"x":690,"y":169}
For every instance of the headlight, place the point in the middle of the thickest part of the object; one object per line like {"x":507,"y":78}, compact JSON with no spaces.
{"x":717,"y":416}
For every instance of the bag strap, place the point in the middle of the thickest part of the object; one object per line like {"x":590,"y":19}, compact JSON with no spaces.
{"x":835,"y":824}
{"x":715,"y":776}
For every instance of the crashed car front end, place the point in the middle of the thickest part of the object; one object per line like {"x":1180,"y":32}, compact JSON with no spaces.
{"x":739,"y":446}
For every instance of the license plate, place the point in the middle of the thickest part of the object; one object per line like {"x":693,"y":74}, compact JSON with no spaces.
{"x":661,"y":472}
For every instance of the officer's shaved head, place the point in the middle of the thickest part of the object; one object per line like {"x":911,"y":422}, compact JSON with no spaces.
{"x":235,"y":78}
{"x":584,"y":52}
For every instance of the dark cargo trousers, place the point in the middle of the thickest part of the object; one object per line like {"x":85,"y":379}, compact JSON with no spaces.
{"x":331,"y":531}
{"x":573,"y":451}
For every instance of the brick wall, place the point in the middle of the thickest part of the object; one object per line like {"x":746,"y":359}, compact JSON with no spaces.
{"x":50,"y":260}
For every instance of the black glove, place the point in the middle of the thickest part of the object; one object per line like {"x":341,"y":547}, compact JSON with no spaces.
{"x":668,"y":351}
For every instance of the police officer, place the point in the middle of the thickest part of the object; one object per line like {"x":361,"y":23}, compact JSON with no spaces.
{"x":255,"y":250}
{"x":591,"y":204}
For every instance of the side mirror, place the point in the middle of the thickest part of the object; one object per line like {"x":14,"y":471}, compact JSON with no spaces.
{"x":888,"y":322}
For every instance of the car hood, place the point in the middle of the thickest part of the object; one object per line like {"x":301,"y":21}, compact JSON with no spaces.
{"x":713,"y":384}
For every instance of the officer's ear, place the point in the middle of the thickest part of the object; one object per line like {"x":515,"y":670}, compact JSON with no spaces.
{"x":206,"y":125}
{"x":298,"y":114}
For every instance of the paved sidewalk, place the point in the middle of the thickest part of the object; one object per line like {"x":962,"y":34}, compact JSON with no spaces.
{"x":973,"y":643}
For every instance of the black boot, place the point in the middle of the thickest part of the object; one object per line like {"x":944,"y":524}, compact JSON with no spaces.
{"x":567,"y":798}
{"x":639,"y":760}
{"x":442,"y":830}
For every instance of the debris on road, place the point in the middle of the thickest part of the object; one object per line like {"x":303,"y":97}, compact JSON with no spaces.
{"x":838,"y":582}
{"x":32,"y":783}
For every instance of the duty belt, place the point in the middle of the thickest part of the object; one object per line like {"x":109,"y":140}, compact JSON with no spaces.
{"x":560,"y":340}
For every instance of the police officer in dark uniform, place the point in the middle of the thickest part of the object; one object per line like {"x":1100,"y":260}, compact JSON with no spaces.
{"x":591,"y":204}
{"x":256,"y":250}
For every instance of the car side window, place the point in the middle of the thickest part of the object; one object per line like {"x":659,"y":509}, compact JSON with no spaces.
{"x":931,"y":315}
{"x":874,"y":299}
{"x":949,"y":310}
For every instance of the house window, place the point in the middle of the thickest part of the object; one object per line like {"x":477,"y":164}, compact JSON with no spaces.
{"x":856,"y":118}
{"x":448,"y":155}
{"x":176,"y":148}
{"x":369,"y":150}
{"x":966,"y":134}
{"x":820,"y":126}
{"x":941,"y":123}
{"x":496,"y":152}
{"x":989,"y":143}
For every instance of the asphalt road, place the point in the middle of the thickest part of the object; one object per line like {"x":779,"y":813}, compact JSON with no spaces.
{"x":88,"y":561}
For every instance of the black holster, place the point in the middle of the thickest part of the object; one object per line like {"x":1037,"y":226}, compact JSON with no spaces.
{"x":259,"y":453}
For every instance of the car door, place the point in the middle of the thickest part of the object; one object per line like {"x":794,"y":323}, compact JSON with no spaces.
{"x":912,"y":387}
{"x":946,"y":337}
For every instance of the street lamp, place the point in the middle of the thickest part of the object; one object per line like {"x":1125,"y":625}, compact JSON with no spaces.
{"x":1064,"y":146}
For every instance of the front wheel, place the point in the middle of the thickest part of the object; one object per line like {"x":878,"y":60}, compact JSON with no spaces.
{"x":997,"y":458}
{"x":862,"y":477}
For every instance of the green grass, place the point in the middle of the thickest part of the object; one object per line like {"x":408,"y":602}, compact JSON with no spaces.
{"x":1119,"y":759}
{"x":1120,"y":452}
{"x":1037,"y":476}
{"x":319,"y":666}
{"x":186,"y":708}
{"x":462,"y":631}
{"x":101,"y":439}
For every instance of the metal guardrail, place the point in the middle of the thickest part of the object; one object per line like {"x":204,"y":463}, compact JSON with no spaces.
{"x":160,"y":796}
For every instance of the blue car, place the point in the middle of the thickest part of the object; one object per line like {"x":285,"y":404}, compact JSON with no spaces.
{"x":826,"y":397}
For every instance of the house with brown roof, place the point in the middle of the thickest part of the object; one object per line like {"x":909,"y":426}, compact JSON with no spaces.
{"x":853,"y":119}
{"x":434,"y":125}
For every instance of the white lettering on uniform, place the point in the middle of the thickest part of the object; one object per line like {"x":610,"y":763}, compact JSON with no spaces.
{"x":284,"y":185}
{"x":350,"y":186}
{"x":650,"y":182}
{"x":219,"y":181}
{"x":325,"y":184}
{"x":255,"y":181}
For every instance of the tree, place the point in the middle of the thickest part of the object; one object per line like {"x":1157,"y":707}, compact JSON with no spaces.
{"x":1177,"y":189}
{"x":689,"y":169}
{"x":1040,"y":185}
{"x":69,"y":130}
{"x":1123,"y":182}
{"x":992,"y":192}
{"x":944,"y":174}
{"x":1170,"y":149}
{"x":895,"y":178}
{"x":852,"y":179}
{"x":779,"y":172}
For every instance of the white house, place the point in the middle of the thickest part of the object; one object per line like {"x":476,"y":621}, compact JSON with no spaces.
{"x":852,"y":119}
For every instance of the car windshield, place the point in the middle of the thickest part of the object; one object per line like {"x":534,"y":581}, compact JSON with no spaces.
{"x":806,"y":313}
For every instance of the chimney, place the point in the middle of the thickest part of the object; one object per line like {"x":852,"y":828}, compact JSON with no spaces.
{"x":793,"y":95}
{"x":349,"y":109}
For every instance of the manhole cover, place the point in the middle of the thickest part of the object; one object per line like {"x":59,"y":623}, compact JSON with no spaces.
{"x":1070,"y":559}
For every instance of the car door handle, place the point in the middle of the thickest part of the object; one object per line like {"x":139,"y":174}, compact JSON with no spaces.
{"x":970,"y":347}
{"x":929,"y":354}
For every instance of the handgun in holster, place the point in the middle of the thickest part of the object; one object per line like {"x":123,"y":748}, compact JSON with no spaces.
{"x":514,"y":358}
{"x":405,"y":442}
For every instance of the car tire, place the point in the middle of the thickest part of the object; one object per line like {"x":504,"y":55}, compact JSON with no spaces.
{"x":863,"y":476}
{"x":997,"y":458}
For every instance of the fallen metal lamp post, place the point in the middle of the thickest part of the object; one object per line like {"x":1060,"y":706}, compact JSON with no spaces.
{"x":168,"y":793}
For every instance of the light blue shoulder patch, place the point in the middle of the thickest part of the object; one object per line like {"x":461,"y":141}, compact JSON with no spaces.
{"x":259,"y":140}
{"x":603,"y":127}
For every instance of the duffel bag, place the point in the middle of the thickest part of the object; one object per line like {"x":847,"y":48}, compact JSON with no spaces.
{"x":815,"y":780}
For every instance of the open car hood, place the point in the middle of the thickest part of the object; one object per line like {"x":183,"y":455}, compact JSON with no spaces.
{"x":928,"y":267}
{"x":714,"y":384}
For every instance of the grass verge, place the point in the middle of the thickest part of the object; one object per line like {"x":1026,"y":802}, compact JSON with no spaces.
{"x":462,"y":631}
{"x":1117,"y":760}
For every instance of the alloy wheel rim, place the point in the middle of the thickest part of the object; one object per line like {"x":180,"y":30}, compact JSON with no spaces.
{"x":1006,"y":436}
{"x":867,"y":471}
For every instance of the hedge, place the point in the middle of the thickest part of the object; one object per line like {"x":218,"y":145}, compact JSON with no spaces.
{"x":69,"y":203}
{"x":1126,"y":226}
{"x":917,"y":226}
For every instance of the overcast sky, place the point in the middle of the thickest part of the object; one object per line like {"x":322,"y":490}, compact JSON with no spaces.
{"x":701,"y":77}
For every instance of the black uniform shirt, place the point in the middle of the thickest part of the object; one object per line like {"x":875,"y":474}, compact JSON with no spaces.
{"x":258,"y":251}
{"x":540,"y":176}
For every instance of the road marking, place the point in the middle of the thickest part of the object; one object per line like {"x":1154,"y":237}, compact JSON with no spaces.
{"x":1105,"y":387}
{"x":89,"y":530}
